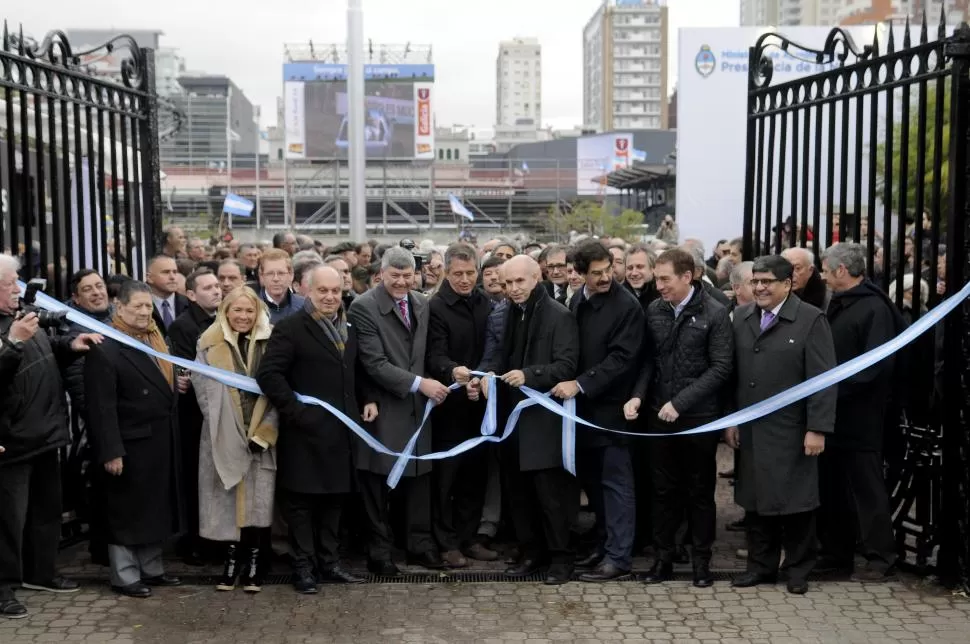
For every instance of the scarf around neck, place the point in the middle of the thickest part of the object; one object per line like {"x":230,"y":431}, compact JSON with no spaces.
{"x":337,"y":333}
{"x":153,"y":338}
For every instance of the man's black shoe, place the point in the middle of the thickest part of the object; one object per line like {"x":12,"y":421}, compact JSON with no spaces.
{"x":138,"y":590}
{"x":430,"y":560}
{"x":798,"y":587}
{"x":304,"y":582}
{"x":659,"y":573}
{"x":340,"y":576}
{"x":383,"y":568}
{"x":12,"y":609}
{"x":55,"y":585}
{"x":605,"y":572}
{"x":702,"y":576}
{"x":162,"y":580}
{"x":750,"y":579}
{"x":524,"y":568}
{"x":558,"y":574}
{"x":590,"y":561}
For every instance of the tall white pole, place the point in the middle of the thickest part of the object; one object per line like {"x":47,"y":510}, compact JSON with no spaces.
{"x":355,"y":118}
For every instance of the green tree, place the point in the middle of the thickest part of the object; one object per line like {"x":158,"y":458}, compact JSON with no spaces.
{"x":911,"y":149}
{"x":589,"y":217}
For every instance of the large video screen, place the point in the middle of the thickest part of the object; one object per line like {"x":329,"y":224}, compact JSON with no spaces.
{"x":398,"y":114}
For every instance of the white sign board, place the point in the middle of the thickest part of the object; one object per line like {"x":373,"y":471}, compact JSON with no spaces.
{"x":712,"y":127}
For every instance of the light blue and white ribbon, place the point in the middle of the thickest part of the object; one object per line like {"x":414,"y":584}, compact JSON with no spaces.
{"x":567,"y":410}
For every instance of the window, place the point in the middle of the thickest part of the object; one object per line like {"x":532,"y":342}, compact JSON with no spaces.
{"x":441,"y":154}
{"x":448,"y":155}
{"x":457,"y":156}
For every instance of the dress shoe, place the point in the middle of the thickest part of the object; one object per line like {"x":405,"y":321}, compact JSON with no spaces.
{"x":558,"y":574}
{"x":750,"y":579}
{"x":383,"y":568}
{"x":338,"y":575}
{"x":591,"y":560}
{"x":605,"y":572}
{"x":429,"y":559}
{"x":304,"y":582}
{"x":702,"y":576}
{"x":162,"y":581}
{"x":12,"y":609}
{"x":874,"y":575}
{"x":454,"y":559}
{"x":659,"y":572}
{"x":797,"y":587}
{"x":523,"y":568}
{"x":480,"y":552}
{"x":137,"y":590}
{"x":55,"y":585}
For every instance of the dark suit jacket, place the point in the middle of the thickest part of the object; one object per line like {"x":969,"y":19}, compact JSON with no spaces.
{"x":774,"y":475}
{"x":551,"y":290}
{"x":132,"y":413}
{"x":181,"y":305}
{"x":314,"y":448}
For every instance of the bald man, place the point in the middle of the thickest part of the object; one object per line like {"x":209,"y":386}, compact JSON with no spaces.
{"x":807,"y":283}
{"x":314,"y":461}
{"x":540,"y":350}
{"x":163,"y":279}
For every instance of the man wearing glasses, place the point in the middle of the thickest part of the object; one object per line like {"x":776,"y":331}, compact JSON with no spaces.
{"x":556,"y":283}
{"x":780,"y":342}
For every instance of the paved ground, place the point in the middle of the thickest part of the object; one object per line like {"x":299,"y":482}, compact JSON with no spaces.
{"x":496,"y":612}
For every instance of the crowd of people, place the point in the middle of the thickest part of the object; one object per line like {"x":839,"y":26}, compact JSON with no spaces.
{"x":650,"y":338}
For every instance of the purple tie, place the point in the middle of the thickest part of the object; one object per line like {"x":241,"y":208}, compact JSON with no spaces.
{"x":766,"y":319}
{"x":403,"y":305}
{"x":167,"y":314}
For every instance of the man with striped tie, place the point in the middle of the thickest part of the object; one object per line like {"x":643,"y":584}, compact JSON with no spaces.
{"x":162,"y":277}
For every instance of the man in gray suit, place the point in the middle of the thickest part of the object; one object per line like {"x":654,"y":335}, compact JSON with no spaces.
{"x":392,"y":328}
{"x":780,"y":341}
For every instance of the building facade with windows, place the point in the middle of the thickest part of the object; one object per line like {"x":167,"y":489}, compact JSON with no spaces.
{"x":847,"y":12}
{"x":625,"y":66}
{"x":518,"y":81}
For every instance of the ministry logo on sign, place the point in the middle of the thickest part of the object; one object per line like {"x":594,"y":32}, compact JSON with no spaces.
{"x":705,"y":62}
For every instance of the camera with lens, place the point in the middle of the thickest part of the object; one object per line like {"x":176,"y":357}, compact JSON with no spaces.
{"x":56,"y":320}
{"x":420,"y":258}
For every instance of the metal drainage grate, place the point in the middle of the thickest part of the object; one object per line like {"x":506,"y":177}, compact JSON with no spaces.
{"x":484,"y":577}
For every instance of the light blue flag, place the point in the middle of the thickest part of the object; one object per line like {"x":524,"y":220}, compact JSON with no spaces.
{"x":459,"y":209}
{"x":236,"y":205}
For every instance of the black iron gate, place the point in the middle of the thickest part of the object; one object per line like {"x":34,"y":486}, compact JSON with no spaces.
{"x":874,"y":148}
{"x":79,"y":171}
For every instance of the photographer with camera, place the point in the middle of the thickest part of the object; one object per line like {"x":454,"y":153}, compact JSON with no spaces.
{"x":33,"y":426}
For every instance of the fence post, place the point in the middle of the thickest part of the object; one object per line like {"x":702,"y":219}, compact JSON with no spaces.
{"x":151,"y":169}
{"x":954,"y":556}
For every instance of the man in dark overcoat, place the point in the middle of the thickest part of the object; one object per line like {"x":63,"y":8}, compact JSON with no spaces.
{"x":855,"y":502}
{"x":780,"y":342}
{"x":392,"y":323}
{"x":456,"y":342}
{"x":314,"y":456}
{"x":611,"y":329}
{"x":540,"y":349}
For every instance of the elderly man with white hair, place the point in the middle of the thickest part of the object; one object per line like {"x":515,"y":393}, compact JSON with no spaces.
{"x":33,"y":427}
{"x":807,"y":283}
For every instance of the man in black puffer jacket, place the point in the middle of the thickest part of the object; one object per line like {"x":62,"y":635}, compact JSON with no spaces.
{"x":682,"y":382}
{"x":33,"y":425}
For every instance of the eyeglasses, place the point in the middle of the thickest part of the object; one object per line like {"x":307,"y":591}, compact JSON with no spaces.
{"x":556,"y":267}
{"x":276,"y":275}
{"x":766,"y":281}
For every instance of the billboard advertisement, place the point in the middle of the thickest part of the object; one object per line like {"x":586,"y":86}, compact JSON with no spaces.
{"x":712,"y":126}
{"x":599,"y":155}
{"x":398,"y":113}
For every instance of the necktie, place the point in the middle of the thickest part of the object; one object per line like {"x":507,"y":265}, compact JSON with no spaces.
{"x":403,"y":306}
{"x":166,"y":313}
{"x":766,"y":319}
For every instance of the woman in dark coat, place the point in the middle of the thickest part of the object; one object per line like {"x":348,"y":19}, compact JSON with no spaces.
{"x":133,"y":424}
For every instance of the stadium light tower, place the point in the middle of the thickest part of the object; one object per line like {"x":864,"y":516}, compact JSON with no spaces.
{"x":355,"y":120}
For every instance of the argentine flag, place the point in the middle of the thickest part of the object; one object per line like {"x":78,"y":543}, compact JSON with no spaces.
{"x":459,"y":209}
{"x":236,"y":205}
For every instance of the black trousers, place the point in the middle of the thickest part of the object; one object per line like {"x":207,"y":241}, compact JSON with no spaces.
{"x":684,"y":473}
{"x":30,"y":521}
{"x":458,"y":497}
{"x":767,"y":535}
{"x":606,"y":474}
{"x":643,"y":484}
{"x":414,"y":494}
{"x":855,"y":506}
{"x":543,"y":505}
{"x":313,"y":521}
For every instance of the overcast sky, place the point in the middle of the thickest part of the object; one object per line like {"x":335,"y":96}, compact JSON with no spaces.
{"x":244,"y":39}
